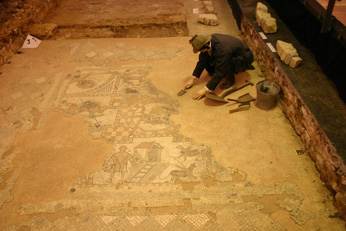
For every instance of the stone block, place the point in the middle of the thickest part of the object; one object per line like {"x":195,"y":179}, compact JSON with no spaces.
{"x":286,"y":57}
{"x":284,"y":49}
{"x":288,"y":54}
{"x":260,"y":15}
{"x":269,"y":25}
{"x":295,"y":62}
{"x":42,"y":31}
{"x":264,"y":19}
{"x":261,"y":7}
{"x":208,"y":19}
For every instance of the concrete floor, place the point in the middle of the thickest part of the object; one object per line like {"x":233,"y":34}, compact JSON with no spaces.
{"x":93,"y":137}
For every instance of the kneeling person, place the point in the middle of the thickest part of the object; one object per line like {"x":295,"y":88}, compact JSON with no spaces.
{"x":222,"y":56}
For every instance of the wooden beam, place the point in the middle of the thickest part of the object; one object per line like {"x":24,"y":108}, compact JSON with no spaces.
{"x":326,"y":25}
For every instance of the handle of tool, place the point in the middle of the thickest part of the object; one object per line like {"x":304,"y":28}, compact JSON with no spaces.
{"x":233,"y":100}
{"x":230,"y":91}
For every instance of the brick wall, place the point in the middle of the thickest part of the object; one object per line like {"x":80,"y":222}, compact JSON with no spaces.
{"x":327,"y":160}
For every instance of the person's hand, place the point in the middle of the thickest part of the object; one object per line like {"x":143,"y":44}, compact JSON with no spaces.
{"x":190,"y":82}
{"x":200,"y":94}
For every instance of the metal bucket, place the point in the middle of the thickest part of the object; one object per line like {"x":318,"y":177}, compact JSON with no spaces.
{"x":267,"y":94}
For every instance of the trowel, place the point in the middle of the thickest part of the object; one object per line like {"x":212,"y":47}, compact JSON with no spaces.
{"x":184,"y":90}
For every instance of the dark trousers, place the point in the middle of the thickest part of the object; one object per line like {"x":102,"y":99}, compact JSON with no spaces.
{"x":229,"y":77}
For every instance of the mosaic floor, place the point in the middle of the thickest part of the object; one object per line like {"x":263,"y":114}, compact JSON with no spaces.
{"x":93,"y":137}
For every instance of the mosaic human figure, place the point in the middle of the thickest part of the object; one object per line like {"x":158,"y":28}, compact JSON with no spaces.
{"x":118,"y":162}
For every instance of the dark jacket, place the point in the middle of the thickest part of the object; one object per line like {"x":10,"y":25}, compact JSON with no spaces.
{"x":229,"y":56}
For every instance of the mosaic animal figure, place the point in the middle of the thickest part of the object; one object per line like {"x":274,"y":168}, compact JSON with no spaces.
{"x":191,"y":151}
{"x":183,"y":172}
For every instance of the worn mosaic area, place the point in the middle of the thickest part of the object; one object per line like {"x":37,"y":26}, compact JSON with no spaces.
{"x":94,"y":138}
{"x":155,"y":178}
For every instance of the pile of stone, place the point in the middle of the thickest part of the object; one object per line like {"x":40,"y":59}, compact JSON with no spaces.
{"x":288,"y":54}
{"x":264,"y":19}
{"x":208,"y":17}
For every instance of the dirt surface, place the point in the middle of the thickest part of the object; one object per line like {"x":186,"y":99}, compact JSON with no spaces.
{"x":9,"y":8}
{"x":115,"y":12}
{"x":94,"y":137}
{"x":16,"y":18}
{"x":113,"y":18}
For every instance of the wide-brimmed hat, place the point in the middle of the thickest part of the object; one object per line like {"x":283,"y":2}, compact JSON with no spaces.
{"x":198,"y":41}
